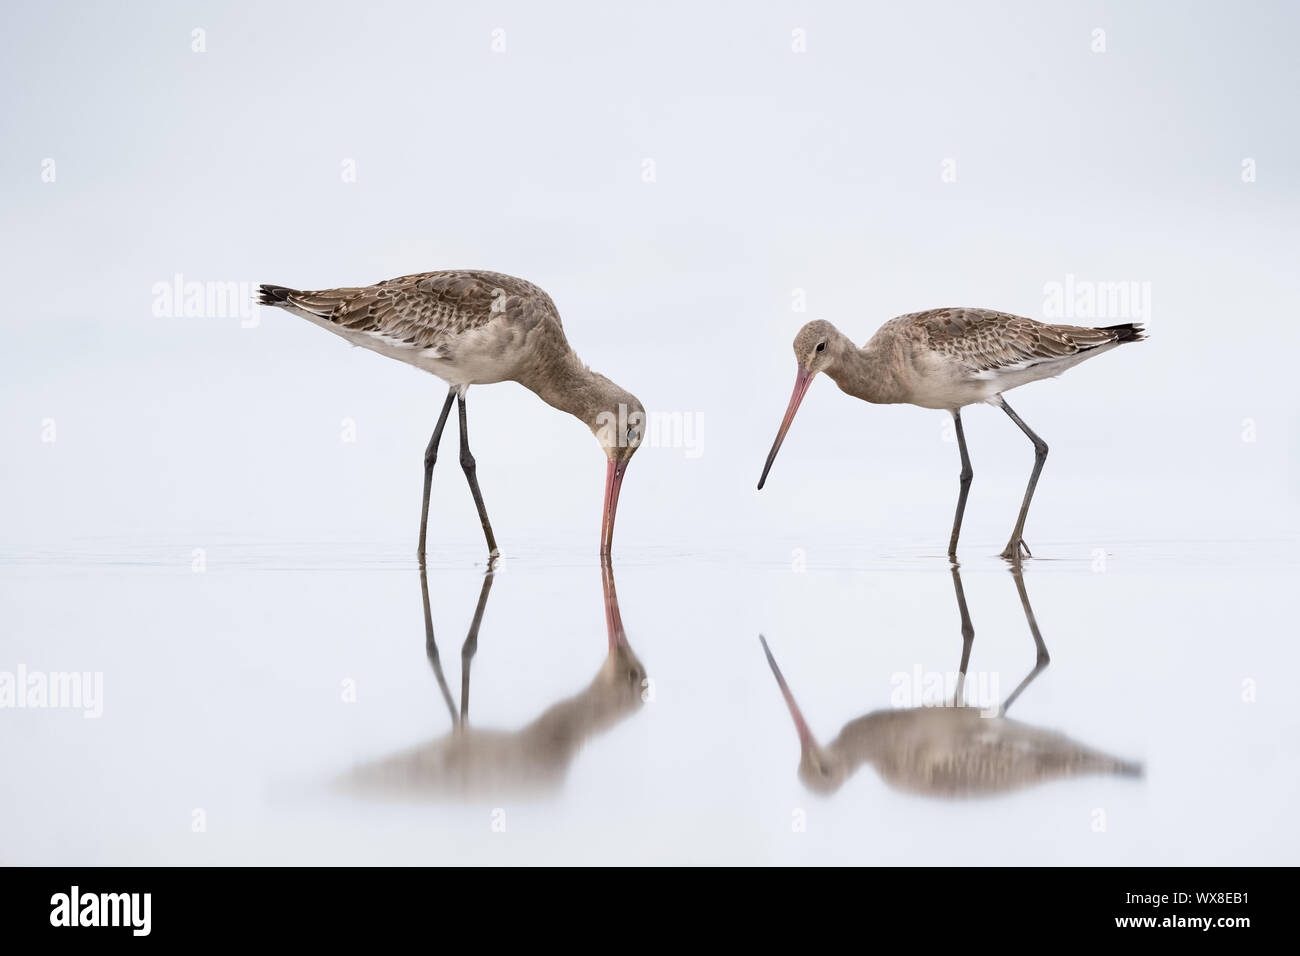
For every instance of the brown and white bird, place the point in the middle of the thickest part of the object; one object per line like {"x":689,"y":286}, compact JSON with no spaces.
{"x":954,"y":750}
{"x":475,"y":763}
{"x":949,"y":358}
{"x":947,"y":752}
{"x":475,"y":328}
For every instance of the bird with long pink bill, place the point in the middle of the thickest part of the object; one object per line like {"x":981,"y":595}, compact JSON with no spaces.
{"x":470,"y":327}
{"x":948,"y":359}
{"x":475,"y":763}
{"x":949,"y":748}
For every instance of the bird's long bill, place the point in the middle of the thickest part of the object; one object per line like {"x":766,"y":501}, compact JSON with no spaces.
{"x":613,"y":619}
{"x":613,"y":482}
{"x":801,"y":382}
{"x":800,"y":725}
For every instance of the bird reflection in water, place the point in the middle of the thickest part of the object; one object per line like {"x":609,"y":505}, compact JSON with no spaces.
{"x":950,"y":751}
{"x":471,"y":762}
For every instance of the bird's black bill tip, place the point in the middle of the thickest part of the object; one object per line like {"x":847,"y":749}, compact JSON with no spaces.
{"x":801,"y":382}
{"x":800,"y":724}
{"x":771,"y":455}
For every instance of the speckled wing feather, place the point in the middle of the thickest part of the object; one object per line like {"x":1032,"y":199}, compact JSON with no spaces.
{"x":985,"y":340}
{"x":991,"y":755}
{"x":430,"y":309}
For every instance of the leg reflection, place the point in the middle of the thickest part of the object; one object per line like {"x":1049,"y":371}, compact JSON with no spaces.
{"x":470,"y":647}
{"x":1043,"y":658}
{"x":467,"y":651}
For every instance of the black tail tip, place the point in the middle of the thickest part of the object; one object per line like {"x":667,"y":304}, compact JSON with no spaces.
{"x":273,"y":294}
{"x":1128,"y":332}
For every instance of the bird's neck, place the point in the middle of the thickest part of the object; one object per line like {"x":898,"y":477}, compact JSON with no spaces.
{"x":868,"y":739}
{"x":873,"y":373}
{"x":568,"y":723}
{"x":561,"y":380}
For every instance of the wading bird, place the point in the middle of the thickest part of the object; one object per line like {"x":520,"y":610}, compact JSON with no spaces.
{"x":476,"y":328}
{"x":470,"y":762}
{"x":949,"y":750}
{"x":949,"y":358}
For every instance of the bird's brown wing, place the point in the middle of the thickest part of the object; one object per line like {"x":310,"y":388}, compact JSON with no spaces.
{"x":985,"y":340}
{"x":429,"y":309}
{"x":975,"y":755}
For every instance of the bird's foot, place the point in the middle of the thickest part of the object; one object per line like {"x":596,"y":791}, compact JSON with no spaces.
{"x":1013,"y":549}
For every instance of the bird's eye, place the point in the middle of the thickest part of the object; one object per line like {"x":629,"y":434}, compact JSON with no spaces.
{"x":821,"y":346}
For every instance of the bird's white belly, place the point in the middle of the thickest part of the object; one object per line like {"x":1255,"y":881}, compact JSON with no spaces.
{"x":950,"y":395}
{"x":944,"y":383}
{"x":473,"y":363}
{"x":464,"y":371}
{"x":949,"y":385}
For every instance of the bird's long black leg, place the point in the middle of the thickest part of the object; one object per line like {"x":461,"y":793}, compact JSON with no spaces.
{"x":1012,"y":552}
{"x":430,"y":456}
{"x":470,"y":647}
{"x":471,"y":473}
{"x":431,"y":648}
{"x":967,"y":637}
{"x":1043,"y":658}
{"x":966,"y":475}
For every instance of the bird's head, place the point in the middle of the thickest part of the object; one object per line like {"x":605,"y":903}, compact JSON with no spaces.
{"x":817,"y":348}
{"x":624,"y":675}
{"x":619,"y":425}
{"x":822,"y":771}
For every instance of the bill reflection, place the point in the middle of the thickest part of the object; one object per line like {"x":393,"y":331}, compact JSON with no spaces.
{"x":952,"y":750}
{"x":472,"y":762}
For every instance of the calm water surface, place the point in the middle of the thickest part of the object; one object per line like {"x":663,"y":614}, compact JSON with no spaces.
{"x":277,"y":702}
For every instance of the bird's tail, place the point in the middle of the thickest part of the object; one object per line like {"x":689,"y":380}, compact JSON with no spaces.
{"x":1094,"y":761}
{"x":1127,"y":768}
{"x":1127,"y":332}
{"x":274,"y":294}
